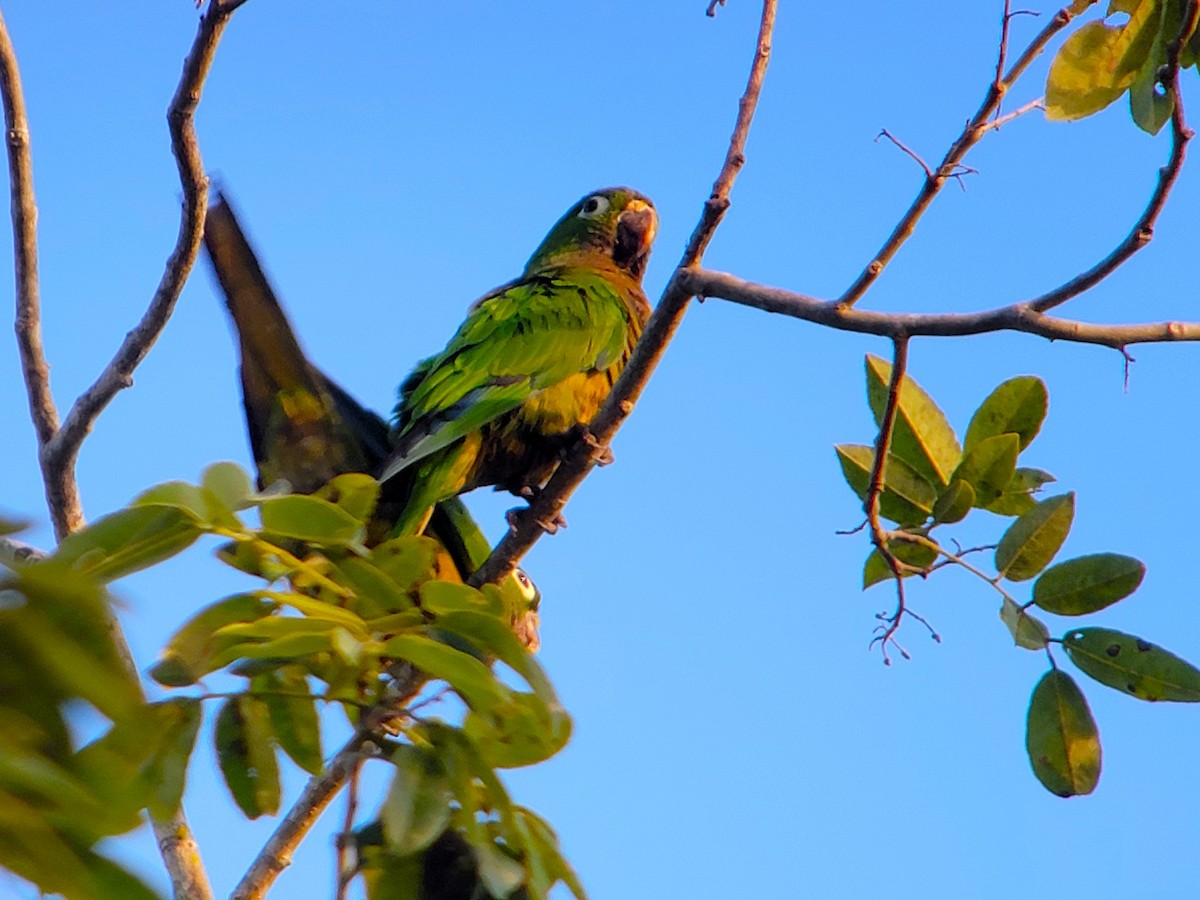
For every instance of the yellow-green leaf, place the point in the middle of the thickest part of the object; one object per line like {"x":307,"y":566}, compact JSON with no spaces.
{"x":190,"y":654}
{"x":954,"y":503}
{"x":354,"y":492}
{"x":988,"y":466}
{"x":1032,"y":541}
{"x":1017,"y":498}
{"x":907,"y":497}
{"x":229,"y":483}
{"x":311,"y":520}
{"x":1132,"y":665}
{"x":919,"y":556}
{"x":417,"y":807}
{"x":1061,"y":737}
{"x":1017,"y":406}
{"x":922,"y":437}
{"x":293,"y":716}
{"x":128,"y":540}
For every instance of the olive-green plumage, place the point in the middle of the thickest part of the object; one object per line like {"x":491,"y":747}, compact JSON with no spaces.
{"x":304,"y":429}
{"x":531,"y":365}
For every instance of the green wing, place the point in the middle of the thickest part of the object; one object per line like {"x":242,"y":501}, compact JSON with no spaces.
{"x":524,"y":337}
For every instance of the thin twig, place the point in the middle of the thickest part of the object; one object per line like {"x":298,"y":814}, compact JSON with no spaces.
{"x":1016,"y":317}
{"x":920,"y":162}
{"x":1000,"y":121}
{"x":345,"y":871}
{"x":61,"y":450}
{"x":276,"y":854}
{"x":970,"y":136}
{"x":1143,"y":230}
{"x":548,"y":505}
{"x":62,"y":498}
{"x":883,"y":443}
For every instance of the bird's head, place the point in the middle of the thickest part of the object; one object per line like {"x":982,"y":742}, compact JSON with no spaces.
{"x":617,"y":223}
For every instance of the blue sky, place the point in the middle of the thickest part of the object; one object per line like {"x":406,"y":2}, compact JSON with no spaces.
{"x":702,"y":620}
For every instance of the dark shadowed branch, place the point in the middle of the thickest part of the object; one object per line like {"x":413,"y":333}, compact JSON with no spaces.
{"x":548,"y":505}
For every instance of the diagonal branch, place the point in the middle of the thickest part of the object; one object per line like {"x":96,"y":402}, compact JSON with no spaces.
{"x":1017,"y":317}
{"x":975,"y":129}
{"x":548,"y":505}
{"x":60,"y":451}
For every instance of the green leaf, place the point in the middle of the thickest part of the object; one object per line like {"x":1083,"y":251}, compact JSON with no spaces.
{"x":1087,"y":584}
{"x":954,"y":503}
{"x":376,"y":593}
{"x":907,"y":497}
{"x":255,"y":557}
{"x":441,"y":597}
{"x":1017,"y":406}
{"x":922,"y":436}
{"x":201,"y":504}
{"x":1132,"y":665}
{"x":229,"y":483}
{"x":246,"y":756}
{"x":876,"y":568}
{"x":1097,"y":63}
{"x":471,"y":679}
{"x":547,"y":863}
{"x":1017,"y":498}
{"x":1031,"y":542}
{"x":1061,"y":737}
{"x":354,"y":492}
{"x":413,"y":560}
{"x":293,"y":718}
{"x":190,"y":654}
{"x":1149,"y":104}
{"x":311,"y":520}
{"x":988,"y":466}
{"x":417,"y":807}
{"x":525,"y":732}
{"x":127,"y":540}
{"x":1027,"y":631}
{"x":321,"y":609}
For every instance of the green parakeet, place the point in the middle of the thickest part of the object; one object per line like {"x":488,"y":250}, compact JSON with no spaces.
{"x":530,"y":366}
{"x":304,"y":429}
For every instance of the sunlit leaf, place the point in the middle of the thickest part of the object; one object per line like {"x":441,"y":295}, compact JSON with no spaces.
{"x":246,"y":756}
{"x":1132,"y":665}
{"x":189,"y":655}
{"x":127,"y":541}
{"x":922,"y":437}
{"x":471,"y":679}
{"x":229,"y":483}
{"x":1018,"y":406}
{"x":1018,"y":498}
{"x":354,"y":492}
{"x":441,"y":597}
{"x":1061,"y":737}
{"x":1088,"y":583}
{"x":1027,"y":631}
{"x":311,"y":520}
{"x":907,"y":497}
{"x":201,"y":504}
{"x":376,"y":593}
{"x":541,"y":843}
{"x":1032,"y":541}
{"x":411,"y":561}
{"x":988,"y":466}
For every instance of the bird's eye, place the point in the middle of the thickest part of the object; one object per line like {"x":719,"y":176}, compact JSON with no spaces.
{"x":523,"y":579}
{"x":593,"y":206}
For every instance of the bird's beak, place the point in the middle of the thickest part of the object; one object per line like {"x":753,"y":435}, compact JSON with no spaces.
{"x":636,"y":228}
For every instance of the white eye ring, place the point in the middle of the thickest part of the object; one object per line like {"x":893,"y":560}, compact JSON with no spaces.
{"x":593,"y":206}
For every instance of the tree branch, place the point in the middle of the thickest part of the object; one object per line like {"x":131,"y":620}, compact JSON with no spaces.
{"x":975,"y":129}
{"x":1016,"y":317}
{"x":60,"y":451}
{"x":276,"y":854}
{"x":548,"y":505}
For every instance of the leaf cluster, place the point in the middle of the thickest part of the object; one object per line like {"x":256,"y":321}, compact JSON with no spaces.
{"x":1102,"y":60}
{"x":335,"y":623}
{"x":930,"y":481}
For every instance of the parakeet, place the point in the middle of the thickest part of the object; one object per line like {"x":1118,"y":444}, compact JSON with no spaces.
{"x":304,"y":429}
{"x":530,"y":366}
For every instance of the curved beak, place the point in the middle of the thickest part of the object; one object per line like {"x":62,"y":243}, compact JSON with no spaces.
{"x":636,"y":228}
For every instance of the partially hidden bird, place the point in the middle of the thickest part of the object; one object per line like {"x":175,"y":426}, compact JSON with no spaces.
{"x":304,"y":429}
{"x":531,"y":365}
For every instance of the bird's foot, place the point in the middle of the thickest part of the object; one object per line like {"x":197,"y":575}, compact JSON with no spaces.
{"x":602,"y":454}
{"x":518,"y":515}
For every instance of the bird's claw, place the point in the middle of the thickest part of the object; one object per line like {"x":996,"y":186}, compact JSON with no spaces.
{"x":517,"y":515}
{"x":602,"y":454}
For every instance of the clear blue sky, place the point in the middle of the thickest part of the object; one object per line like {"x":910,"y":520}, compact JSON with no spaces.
{"x":703,"y":622}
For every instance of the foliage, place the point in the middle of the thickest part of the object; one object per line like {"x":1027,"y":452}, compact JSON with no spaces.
{"x":929,"y":482}
{"x":334,"y":624}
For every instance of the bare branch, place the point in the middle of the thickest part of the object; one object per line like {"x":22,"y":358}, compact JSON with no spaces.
{"x":548,"y":505}
{"x":1143,"y":230}
{"x":1017,"y":317}
{"x":61,"y":450}
{"x":1000,"y":121}
{"x":62,"y":497}
{"x":975,"y":129}
{"x":276,"y":854}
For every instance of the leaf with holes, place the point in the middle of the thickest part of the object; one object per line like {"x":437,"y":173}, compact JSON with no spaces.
{"x":1061,"y":737}
{"x":922,"y":436}
{"x":1032,"y":541}
{"x":1132,"y":665}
